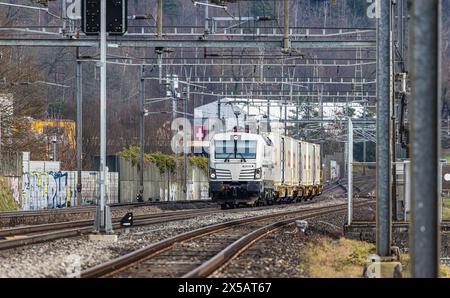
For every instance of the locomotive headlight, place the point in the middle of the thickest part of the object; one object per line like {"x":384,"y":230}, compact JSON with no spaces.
{"x":212,"y":173}
{"x":258,"y":173}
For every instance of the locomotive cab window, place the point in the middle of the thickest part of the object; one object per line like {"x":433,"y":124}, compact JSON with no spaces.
{"x":224,"y":149}
{"x":246,"y":149}
{"x":237,"y":149}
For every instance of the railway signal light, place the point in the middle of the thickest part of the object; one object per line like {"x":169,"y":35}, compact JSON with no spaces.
{"x":116,"y":17}
{"x":127,"y":220}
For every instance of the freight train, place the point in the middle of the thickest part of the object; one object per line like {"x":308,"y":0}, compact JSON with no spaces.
{"x":258,"y":169}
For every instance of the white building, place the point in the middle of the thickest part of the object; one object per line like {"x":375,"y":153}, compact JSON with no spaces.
{"x":235,"y":113}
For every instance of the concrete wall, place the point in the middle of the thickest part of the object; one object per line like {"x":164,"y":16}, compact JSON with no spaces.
{"x":164,"y":187}
{"x":326,"y":160}
{"x":41,"y":184}
{"x":39,"y":165}
{"x":11,"y":170}
{"x":42,"y":189}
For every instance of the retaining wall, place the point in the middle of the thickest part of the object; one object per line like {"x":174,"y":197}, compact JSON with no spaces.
{"x":11,"y":171}
{"x":162,"y":186}
{"x":41,"y":189}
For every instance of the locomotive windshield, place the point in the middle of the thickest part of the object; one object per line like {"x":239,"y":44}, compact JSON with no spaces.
{"x":239,"y":149}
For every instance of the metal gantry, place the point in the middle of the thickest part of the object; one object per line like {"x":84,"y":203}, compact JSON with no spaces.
{"x":263,"y":37}
{"x":304,"y":89}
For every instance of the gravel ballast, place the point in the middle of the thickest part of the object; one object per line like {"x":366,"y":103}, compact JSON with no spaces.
{"x":281,"y":252}
{"x":61,"y":258}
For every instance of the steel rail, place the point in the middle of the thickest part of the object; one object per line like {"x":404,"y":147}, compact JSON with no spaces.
{"x":88,"y":222}
{"x":39,"y":238}
{"x":68,"y":230}
{"x":239,"y":246}
{"x":124,"y":262}
{"x":78,"y":228}
{"x":29,"y":229}
{"x":91,"y":208}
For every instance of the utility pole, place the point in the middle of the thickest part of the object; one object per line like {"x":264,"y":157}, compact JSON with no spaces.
{"x":285,"y":108}
{"x":159,"y":29}
{"x":350,"y":171}
{"x":359,"y":90}
{"x":297,"y":112}
{"x":320,"y":95}
{"x":281,"y":113}
{"x":365,"y":142}
{"x":393,"y":120}
{"x":174,"y":108}
{"x":160,"y":18}
{"x":140,"y":194}
{"x":425,"y":136}
{"x":79,"y":128}
{"x":268,"y":115}
{"x":173,"y":93}
{"x":54,"y":147}
{"x":286,"y":44}
{"x":185,"y":141}
{"x":383,"y":131}
{"x":218,"y":108}
{"x":400,"y":32}
{"x":103,"y":222}
{"x":308,"y":109}
{"x":206,"y":17}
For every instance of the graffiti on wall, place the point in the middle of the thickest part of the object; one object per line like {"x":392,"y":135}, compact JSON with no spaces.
{"x":42,"y":189}
{"x":46,"y":190}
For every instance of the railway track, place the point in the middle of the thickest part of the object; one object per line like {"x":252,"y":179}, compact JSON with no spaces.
{"x":91,"y":208}
{"x":41,"y":217}
{"x":84,"y":223}
{"x":17,"y":237}
{"x":31,"y":229}
{"x":342,"y":183}
{"x":200,"y":252}
{"x":21,"y":236}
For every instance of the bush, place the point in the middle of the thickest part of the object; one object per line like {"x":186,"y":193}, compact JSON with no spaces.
{"x":200,"y":162}
{"x":7,"y":202}
{"x":164,"y":162}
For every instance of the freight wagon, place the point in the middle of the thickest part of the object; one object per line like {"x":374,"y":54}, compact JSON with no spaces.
{"x":253,"y":169}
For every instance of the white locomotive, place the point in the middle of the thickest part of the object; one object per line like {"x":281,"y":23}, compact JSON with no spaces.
{"x":253,"y":169}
